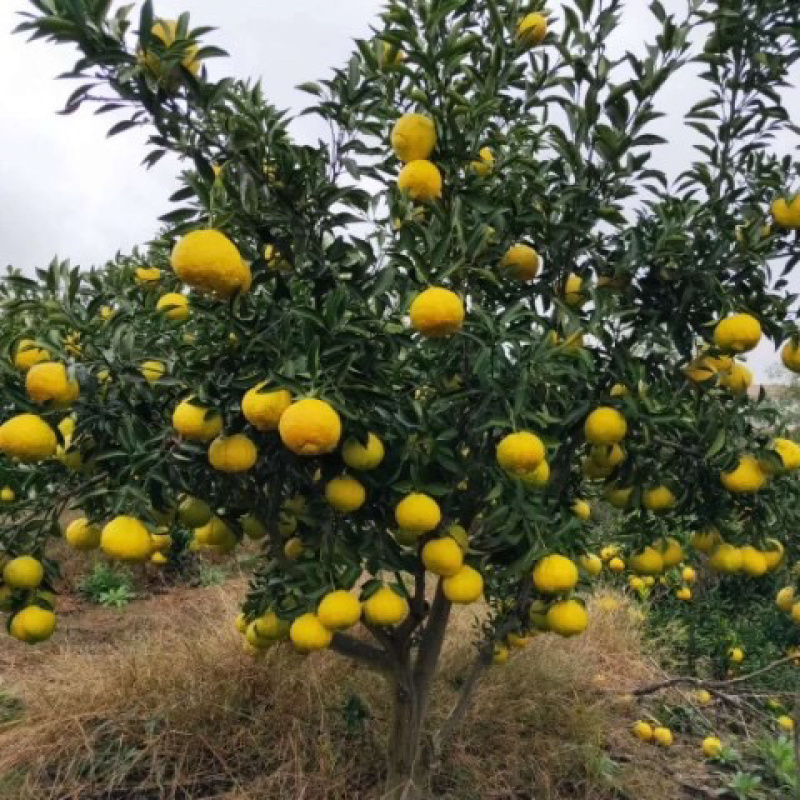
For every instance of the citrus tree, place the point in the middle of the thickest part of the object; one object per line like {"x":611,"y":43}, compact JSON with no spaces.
{"x":408,"y":359}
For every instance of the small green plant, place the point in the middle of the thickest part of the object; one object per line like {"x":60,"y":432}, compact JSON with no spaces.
{"x":10,"y":708}
{"x":745,"y":786}
{"x":776,"y":755}
{"x":108,"y":586}
{"x":208,"y":575}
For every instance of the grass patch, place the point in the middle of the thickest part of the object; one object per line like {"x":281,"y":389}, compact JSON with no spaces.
{"x":107,"y":585}
{"x":181,"y":711}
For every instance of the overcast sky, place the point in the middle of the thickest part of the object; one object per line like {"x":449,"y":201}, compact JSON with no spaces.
{"x":66,"y":189}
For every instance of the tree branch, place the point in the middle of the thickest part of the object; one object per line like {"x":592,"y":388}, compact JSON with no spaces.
{"x":348,"y":646}
{"x":479,"y":666}
{"x":718,"y":685}
{"x":431,"y":644}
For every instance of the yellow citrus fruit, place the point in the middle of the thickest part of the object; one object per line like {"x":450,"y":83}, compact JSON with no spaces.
{"x":413,"y":137}
{"x":662,"y":736}
{"x":726,"y":559}
{"x":608,"y":552}
{"x":671,"y":551}
{"x":308,"y":633}
{"x":159,"y":559}
{"x":789,"y":453}
{"x":554,"y":574}
{"x":27,"y":354}
{"x":421,"y":180}
{"x":795,"y":612}
{"x":521,"y":262}
{"x":465,"y":587}
{"x":616,"y":564}
{"x":386,"y":607}
{"x":442,"y":557}
{"x":418,"y":513}
{"x":537,"y":477}
{"x":253,"y":527}
{"x":485,"y":164}
{"x":390,"y":55}
{"x":263,"y":410}
{"x":161,"y":542}
{"x":345,"y":494}
{"x":293,"y":548}
{"x":684,"y":593}
{"x":702,"y":697}
{"x":753,"y":561}
{"x":618,"y":496}
{"x":215,"y":535}
{"x":166,"y":31}
{"x":500,"y":655}
{"x":593,"y":564}
{"x":688,"y":575}
{"x":82,"y":535}
{"x":582,"y":510}
{"x":310,"y":427}
{"x":647,"y":562}
{"x":605,"y":426}
{"x":643,"y":731}
{"x":7,"y":495}
{"x":47,"y":382}
{"x":174,"y":306}
{"x":736,"y":655}
{"x":437,"y":312}
{"x":705,"y":367}
{"x":786,"y":213}
{"x":738,"y":379}
{"x":195,"y":422}
{"x":234,"y":453}
{"x":208,"y":261}
{"x":518,"y":641}
{"x":706,"y":540}
{"x":737,"y":333}
{"x":773,"y":555}
{"x":152,"y":371}
{"x":363,"y":457}
{"x":607,"y":456}
{"x":637,"y":584}
{"x":147,"y":275}
{"x":339,"y":610}
{"x":785,"y":599}
{"x":748,"y":476}
{"x":520,"y":453}
{"x":194,"y":512}
{"x":790,"y":355}
{"x":23,"y":572}
{"x":270,"y":627}
{"x":785,"y":723}
{"x":532,"y":29}
{"x":567,"y":618}
{"x":659,"y":498}
{"x":573,"y":296}
{"x":33,"y":624}
{"x":126,"y":539}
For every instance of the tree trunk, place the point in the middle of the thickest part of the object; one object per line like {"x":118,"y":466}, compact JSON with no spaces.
{"x":407,"y":770}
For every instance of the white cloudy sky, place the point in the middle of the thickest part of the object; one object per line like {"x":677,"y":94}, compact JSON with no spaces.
{"x":65,"y":189}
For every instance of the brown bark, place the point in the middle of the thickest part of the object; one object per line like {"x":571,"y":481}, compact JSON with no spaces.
{"x":407,"y":772}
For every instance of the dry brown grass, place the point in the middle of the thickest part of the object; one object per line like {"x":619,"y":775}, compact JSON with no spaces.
{"x":176,"y":709}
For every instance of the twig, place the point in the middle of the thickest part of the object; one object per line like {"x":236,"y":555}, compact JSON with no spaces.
{"x":353,"y":648}
{"x":686,"y":680}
